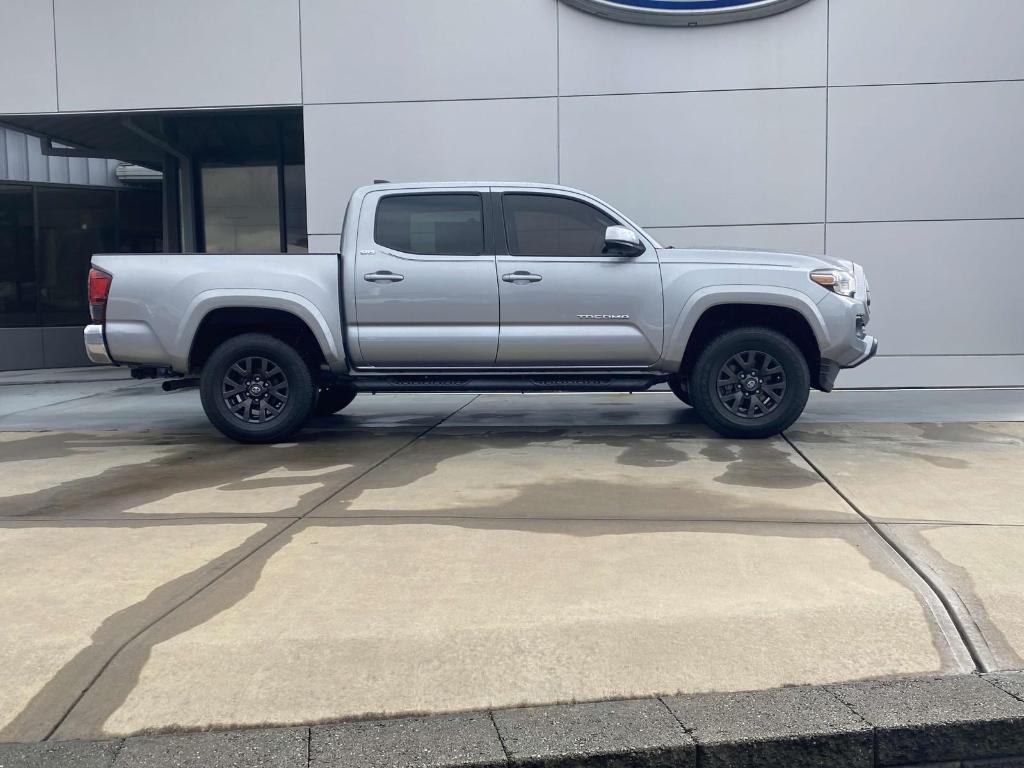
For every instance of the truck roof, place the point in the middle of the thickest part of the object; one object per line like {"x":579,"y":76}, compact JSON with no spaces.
{"x":478,"y":183}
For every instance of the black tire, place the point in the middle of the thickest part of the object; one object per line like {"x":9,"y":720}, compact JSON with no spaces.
{"x":286,"y":393}
{"x":736,"y":399}
{"x":332,"y":400}
{"x":679,"y":389}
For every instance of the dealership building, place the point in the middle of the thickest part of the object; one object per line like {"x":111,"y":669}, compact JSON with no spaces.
{"x":883,"y":131}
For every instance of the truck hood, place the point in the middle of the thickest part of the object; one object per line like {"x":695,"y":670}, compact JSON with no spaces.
{"x":752,"y":257}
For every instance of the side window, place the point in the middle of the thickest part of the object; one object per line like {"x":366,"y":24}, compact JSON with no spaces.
{"x":548,"y":225}
{"x":431,"y":225}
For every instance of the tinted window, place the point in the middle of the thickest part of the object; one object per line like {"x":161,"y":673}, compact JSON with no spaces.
{"x":546,"y":225}
{"x":17,"y":257}
{"x":431,"y":225}
{"x":73,"y":225}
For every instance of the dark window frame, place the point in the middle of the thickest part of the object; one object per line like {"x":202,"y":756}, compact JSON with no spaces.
{"x":486,"y":245}
{"x":499,"y":213}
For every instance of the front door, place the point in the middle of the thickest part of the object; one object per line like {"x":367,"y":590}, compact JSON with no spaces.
{"x":564,"y":301}
{"x":426,"y":290}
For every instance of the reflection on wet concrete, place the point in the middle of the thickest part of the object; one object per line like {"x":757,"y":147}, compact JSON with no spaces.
{"x":505,"y":557}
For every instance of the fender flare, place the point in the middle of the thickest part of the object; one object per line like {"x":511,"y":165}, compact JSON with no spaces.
{"x":713,"y":296}
{"x":285,"y":301}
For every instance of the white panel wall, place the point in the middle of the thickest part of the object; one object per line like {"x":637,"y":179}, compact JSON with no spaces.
{"x":941,"y":287}
{"x":908,"y":161}
{"x":722,"y":136}
{"x":922,"y":158}
{"x":410,"y":50}
{"x":925,"y":41}
{"x":126,"y":54}
{"x":926,"y":152}
{"x":510,"y":139}
{"x":325,"y":243}
{"x":598,"y":56}
{"x":27,"y":71}
{"x":727,"y":157}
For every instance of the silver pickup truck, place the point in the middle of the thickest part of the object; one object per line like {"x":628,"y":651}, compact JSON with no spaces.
{"x":483,"y":287}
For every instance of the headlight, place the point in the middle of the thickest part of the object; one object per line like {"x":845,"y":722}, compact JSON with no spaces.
{"x":836,"y":280}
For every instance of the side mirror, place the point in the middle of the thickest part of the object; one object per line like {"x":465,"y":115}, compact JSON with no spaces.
{"x":622,"y":241}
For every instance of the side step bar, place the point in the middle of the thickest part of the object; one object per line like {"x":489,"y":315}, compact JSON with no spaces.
{"x":584,"y":382}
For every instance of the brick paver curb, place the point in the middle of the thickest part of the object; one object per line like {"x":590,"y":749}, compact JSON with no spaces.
{"x":966,"y":721}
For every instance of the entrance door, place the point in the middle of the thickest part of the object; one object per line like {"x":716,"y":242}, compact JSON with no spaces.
{"x":566,"y":303}
{"x":426,"y":290}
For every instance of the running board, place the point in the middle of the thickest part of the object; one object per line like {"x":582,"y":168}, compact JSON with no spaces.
{"x":605,"y":382}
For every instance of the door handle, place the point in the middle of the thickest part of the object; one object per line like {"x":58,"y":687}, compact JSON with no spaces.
{"x":520,"y":277}
{"x":383,"y":276}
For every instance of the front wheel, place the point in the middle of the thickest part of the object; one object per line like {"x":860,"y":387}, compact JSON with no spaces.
{"x":750,"y":382}
{"x":257,"y":389}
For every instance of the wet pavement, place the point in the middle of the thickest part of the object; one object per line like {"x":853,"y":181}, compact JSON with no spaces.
{"x":437,"y":553}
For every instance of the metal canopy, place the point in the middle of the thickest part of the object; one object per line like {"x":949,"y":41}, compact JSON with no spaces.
{"x":145,"y":138}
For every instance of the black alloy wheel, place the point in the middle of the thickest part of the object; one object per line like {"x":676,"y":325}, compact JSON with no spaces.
{"x":256,"y":388}
{"x":750,"y":382}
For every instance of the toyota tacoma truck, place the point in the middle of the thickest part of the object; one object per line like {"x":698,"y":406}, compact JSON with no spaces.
{"x":483,"y":287}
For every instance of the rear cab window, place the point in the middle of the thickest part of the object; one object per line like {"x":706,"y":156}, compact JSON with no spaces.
{"x":450,"y":224}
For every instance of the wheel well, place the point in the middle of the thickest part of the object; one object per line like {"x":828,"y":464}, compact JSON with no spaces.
{"x":725,"y":317}
{"x":221,"y":324}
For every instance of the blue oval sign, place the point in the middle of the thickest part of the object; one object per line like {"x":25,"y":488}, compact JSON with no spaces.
{"x":684,"y":13}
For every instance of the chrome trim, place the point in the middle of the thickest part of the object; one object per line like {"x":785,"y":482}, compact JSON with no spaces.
{"x":96,"y":345}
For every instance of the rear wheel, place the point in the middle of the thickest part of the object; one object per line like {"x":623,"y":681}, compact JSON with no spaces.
{"x":333,"y":399}
{"x":257,"y":389}
{"x":750,"y":382}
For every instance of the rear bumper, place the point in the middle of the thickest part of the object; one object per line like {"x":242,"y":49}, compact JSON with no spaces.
{"x":96,"y":345}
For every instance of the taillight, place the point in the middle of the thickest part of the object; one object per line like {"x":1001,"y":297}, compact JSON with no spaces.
{"x":99,"y":288}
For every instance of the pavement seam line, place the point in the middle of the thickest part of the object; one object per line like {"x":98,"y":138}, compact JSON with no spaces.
{"x":65,"y":402}
{"x":501,"y":740}
{"x":231,"y":568}
{"x":998,"y":687}
{"x":682,"y":725}
{"x":874,"y":731}
{"x":977,"y":655}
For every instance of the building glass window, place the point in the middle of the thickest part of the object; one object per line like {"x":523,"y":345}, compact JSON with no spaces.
{"x":73,"y":225}
{"x":139,"y":221}
{"x":241,"y":210}
{"x":17,"y":257}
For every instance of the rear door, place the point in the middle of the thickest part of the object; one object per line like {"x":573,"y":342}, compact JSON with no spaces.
{"x":425,"y":284}
{"x":564,"y":302}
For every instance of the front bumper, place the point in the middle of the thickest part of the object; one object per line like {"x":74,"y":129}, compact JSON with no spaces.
{"x":872,"y":345}
{"x":830,"y":368}
{"x":96,"y":345}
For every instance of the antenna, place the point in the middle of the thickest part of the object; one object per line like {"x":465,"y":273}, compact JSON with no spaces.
{"x":381,"y":181}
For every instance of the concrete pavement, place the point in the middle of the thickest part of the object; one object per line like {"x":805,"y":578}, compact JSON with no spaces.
{"x":443,"y":553}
